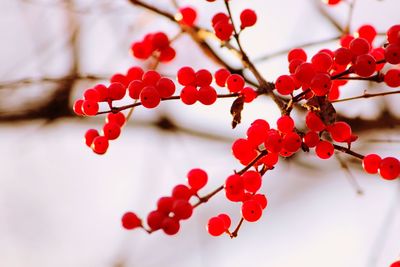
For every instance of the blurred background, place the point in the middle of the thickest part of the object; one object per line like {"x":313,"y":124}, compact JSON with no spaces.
{"x":60,"y":204}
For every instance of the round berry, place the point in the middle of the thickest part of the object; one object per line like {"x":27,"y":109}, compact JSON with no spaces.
{"x":207,"y":95}
{"x":149,"y":97}
{"x":189,"y":16}
{"x":90,"y":108}
{"x":116,"y":91}
{"x":226,"y":219}
{"x":261,"y":200}
{"x":181,"y":191}
{"x":321,"y":84}
{"x":216,"y":226}
{"x":135,"y":73}
{"x":311,"y":139}
{"x":285,"y":85}
{"x":170,"y":226}
{"x":182,"y":209}
{"x":160,"y":40}
{"x":324,"y":150}
{"x":186,"y":76}
{"x":111,"y":130}
{"x":393,"y":34}
{"x":223,"y":30}
{"x":340,"y":131}
{"x":221,"y":76}
{"x":251,"y":181}
{"x":131,"y":221}
{"x":164,"y":204}
{"x":218,"y":18}
{"x":371,"y":163}
{"x":248,"y":18}
{"x":343,"y":56}
{"x":78,"y":107}
{"x":251,"y":211}
{"x":118,"y":118}
{"x":165,"y":87}
{"x":151,"y":77}
{"x":197,"y":179}
{"x":203,"y":78}
{"x":285,"y":124}
{"x":314,"y":122}
{"x":167,"y":54}
{"x":273,"y":142}
{"x":322,"y":62}
{"x":392,"y":54}
{"x":392,"y":78}
{"x":249,"y":94}
{"x":365,"y":65}
{"x":235,"y":83}
{"x":90,"y":135}
{"x":189,"y":95}
{"x":359,"y":46}
{"x":91,"y":94}
{"x":291,"y":142}
{"x":155,"y":219}
{"x":305,"y":73}
{"x":234,"y":184}
{"x":389,"y":168}
{"x":297,"y":53}
{"x":135,"y":88}
{"x":367,"y":32}
{"x":100,"y":145}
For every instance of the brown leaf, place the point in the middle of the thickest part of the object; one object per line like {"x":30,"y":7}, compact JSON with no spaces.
{"x":236,"y":111}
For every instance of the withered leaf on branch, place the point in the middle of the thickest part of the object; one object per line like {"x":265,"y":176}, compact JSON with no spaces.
{"x":236,"y":111}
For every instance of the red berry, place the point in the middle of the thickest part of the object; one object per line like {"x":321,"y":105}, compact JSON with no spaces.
{"x":393,"y":34}
{"x":367,"y":32}
{"x":118,"y":118}
{"x":120,"y":78}
{"x":181,"y":191}
{"x":130,"y":221}
{"x":189,"y":16}
{"x":285,"y":124}
{"x":271,"y":159}
{"x":102,"y":90}
{"x":248,"y":18}
{"x":311,"y":139}
{"x":359,"y":46}
{"x":90,"y":108}
{"x":149,"y":97}
{"x":170,"y":226}
{"x":151,"y":77}
{"x":203,"y":78}
{"x":371,"y":163}
{"x":305,"y":73}
{"x":219,"y":17}
{"x":324,"y":150}
{"x":297,"y":53}
{"x":285,"y":85}
{"x":186,"y":76}
{"x":197,"y":179}
{"x":291,"y":142}
{"x":189,"y":95}
{"x":111,"y":130}
{"x":235,"y":83}
{"x":223,"y":30}
{"x":389,"y":168}
{"x":207,"y":95}
{"x":221,"y":76}
{"x":160,"y":40}
{"x":365,"y":65}
{"x":314,"y":122}
{"x":261,"y":200}
{"x":343,"y":56}
{"x":167,"y":54}
{"x":392,"y":78}
{"x":165,"y":87}
{"x":140,"y":50}
{"x":216,"y":226}
{"x":90,"y":135}
{"x":251,"y":211}
{"x":251,"y":181}
{"x":91,"y":94}
{"x":257,"y":133}
{"x":182,"y":209}
{"x":346,"y":39}
{"x":164,"y":204}
{"x":294,"y":63}
{"x":226,"y":219}
{"x":100,"y":145}
{"x":243,"y":150}
{"x":397,"y":263}
{"x":340,"y":131}
{"x":249,"y":94}
{"x":322,"y":62}
{"x":116,"y":91}
{"x":234,"y":184}
{"x":273,"y":142}
{"x":155,"y":219}
{"x":135,"y":73}
{"x":332,"y":2}
{"x":392,"y":54}
{"x":78,"y":107}
{"x":135,"y":88}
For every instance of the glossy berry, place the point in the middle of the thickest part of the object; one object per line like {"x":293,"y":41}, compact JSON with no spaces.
{"x":197,"y":179}
{"x":305,"y":73}
{"x":392,"y":54}
{"x":226,"y":219}
{"x":164,"y":204}
{"x":155,"y":219}
{"x":149,"y":97}
{"x":216,"y":226}
{"x":181,"y":191}
{"x":120,"y":78}
{"x":251,"y":181}
{"x":167,"y":54}
{"x":182,"y":209}
{"x":188,"y":16}
{"x":218,"y":18}
{"x":285,"y":85}
{"x":324,"y":150}
{"x":189,"y":95}
{"x":322,"y":62}
{"x":130,"y":221}
{"x":90,"y":108}
{"x":116,"y":91}
{"x":297,"y":53}
{"x":234,"y":184}
{"x":285,"y":124}
{"x":340,"y":131}
{"x":249,"y":94}
{"x":294,"y":64}
{"x":223,"y":30}
{"x":359,"y":46}
{"x":221,"y":76}
{"x":100,"y":145}
{"x":271,"y":159}
{"x":243,"y":150}
{"x":291,"y":142}
{"x":368,"y":32}
{"x":135,"y":88}
{"x":257,"y":133}
{"x":160,"y":40}
{"x":135,"y":73}
{"x":365,"y":65}
{"x":165,"y":87}
{"x":207,"y":95}
{"x":311,"y":139}
{"x":235,"y":83}
{"x":170,"y":226}
{"x":389,"y":168}
{"x":248,"y":18}
{"x":261,"y":200}
{"x":251,"y":211}
{"x":151,"y":77}
{"x":111,"y":130}
{"x":392,"y":78}
{"x":90,"y":135}
{"x":371,"y":163}
{"x":321,"y":84}
{"x":314,"y":122}
{"x":78,"y":107}
{"x":393,"y":36}
{"x":203,"y":77}
{"x":343,"y":56}
{"x":186,"y":76}
{"x":118,"y":118}
{"x":273,"y":142}
{"x":91,"y":94}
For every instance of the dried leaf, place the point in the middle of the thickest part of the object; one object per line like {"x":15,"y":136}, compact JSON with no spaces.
{"x":236,"y":111}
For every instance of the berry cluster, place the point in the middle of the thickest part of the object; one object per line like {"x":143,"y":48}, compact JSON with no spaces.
{"x":388,"y":168}
{"x":154,"y":44}
{"x":223,"y":25}
{"x":171,"y":209}
{"x":235,"y":83}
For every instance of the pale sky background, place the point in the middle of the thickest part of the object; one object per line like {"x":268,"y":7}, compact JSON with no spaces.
{"x":60,"y":204}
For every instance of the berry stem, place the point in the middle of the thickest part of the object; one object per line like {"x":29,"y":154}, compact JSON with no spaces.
{"x":366,"y":95}
{"x":348,"y":151}
{"x":235,"y":232}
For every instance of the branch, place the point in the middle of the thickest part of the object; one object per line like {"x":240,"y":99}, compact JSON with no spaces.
{"x":366,"y":95}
